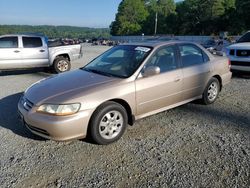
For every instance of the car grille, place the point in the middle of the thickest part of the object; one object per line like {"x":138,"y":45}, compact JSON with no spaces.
{"x":27,"y":105}
{"x":232,"y":52}
{"x":243,"y":53}
{"x":240,"y":63}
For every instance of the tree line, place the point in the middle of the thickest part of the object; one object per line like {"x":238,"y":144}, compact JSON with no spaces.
{"x":57,"y":31}
{"x":189,"y":17}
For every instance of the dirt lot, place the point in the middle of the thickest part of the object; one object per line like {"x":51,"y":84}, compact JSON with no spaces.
{"x":189,"y":146}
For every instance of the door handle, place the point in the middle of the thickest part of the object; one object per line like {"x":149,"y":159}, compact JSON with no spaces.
{"x":16,"y":51}
{"x":42,"y":50}
{"x":177,"y":79}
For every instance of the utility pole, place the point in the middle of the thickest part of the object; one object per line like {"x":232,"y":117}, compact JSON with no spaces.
{"x":156,"y":22}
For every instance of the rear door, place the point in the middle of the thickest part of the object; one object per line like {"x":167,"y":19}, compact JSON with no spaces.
{"x":159,"y":91}
{"x":10,"y":53}
{"x":35,"y":52}
{"x":196,"y":70}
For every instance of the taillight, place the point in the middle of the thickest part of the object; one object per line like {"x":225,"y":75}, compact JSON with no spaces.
{"x":229,"y":63}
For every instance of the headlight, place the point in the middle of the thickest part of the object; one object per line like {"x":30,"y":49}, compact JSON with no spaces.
{"x":59,"y":110}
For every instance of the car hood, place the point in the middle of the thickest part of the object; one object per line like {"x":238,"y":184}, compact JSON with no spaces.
{"x":55,"y":86}
{"x":241,"y":46}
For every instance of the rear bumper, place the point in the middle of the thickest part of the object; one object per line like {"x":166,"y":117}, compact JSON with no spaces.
{"x":59,"y":128}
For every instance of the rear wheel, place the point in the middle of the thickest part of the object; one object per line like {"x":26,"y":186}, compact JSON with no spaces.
{"x":108,"y":123}
{"x":211,"y":92}
{"x":61,"y":64}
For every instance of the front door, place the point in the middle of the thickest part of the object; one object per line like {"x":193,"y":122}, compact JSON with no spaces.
{"x":156,"y":92}
{"x":10,"y":53}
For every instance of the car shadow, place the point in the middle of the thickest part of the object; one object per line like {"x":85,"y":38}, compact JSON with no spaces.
{"x":239,"y":118}
{"x":41,"y":71}
{"x":9,"y":117}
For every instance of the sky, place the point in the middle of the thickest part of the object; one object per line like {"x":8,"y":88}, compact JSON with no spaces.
{"x":85,"y":13}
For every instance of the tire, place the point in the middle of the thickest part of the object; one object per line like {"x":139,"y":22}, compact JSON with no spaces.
{"x":104,"y":129}
{"x":211,"y":92}
{"x":61,"y":64}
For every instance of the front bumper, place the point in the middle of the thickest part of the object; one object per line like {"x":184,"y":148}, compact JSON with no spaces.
{"x":59,"y":128}
{"x":240,"y":68}
{"x":240,"y":63}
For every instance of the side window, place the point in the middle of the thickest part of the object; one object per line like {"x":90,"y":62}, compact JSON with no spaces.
{"x":9,"y":42}
{"x":32,"y":42}
{"x":191,"y":55}
{"x":164,"y":58}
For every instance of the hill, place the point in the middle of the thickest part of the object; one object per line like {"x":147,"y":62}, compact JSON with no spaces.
{"x":56,"y":31}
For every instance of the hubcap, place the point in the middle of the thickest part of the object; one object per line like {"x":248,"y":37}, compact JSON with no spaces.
{"x":62,"y":65}
{"x":111,"y":125}
{"x":212,"y":91}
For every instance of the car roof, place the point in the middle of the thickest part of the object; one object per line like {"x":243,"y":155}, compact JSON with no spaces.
{"x":156,"y":43}
{"x":23,"y":34}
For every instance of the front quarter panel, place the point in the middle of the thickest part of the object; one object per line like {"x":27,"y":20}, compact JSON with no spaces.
{"x":122,"y":91}
{"x":93,"y":97}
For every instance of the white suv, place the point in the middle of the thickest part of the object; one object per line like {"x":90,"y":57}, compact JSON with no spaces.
{"x":239,"y":54}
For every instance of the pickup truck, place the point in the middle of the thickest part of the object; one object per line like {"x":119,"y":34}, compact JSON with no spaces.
{"x":239,"y":54}
{"x":32,"y":51}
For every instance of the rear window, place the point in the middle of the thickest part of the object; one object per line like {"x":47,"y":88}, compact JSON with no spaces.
{"x":9,"y":42}
{"x":32,"y":42}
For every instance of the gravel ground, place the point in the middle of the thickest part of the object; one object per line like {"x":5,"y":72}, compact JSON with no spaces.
{"x":189,"y":146}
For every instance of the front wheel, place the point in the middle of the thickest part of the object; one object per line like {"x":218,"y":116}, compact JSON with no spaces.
{"x":61,"y":64}
{"x":108,"y":123}
{"x":211,"y":92}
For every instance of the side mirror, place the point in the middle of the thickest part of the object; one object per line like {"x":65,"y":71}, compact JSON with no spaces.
{"x":151,"y":71}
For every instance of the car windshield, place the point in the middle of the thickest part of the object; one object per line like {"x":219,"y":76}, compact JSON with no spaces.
{"x":120,"y":61}
{"x":245,"y":38}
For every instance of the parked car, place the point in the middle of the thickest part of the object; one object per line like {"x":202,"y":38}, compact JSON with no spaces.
{"x":219,"y":47}
{"x":239,"y":54}
{"x":209,"y":43}
{"x":126,"y":83}
{"x":32,"y":51}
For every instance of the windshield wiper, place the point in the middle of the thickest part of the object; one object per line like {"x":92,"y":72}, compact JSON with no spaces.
{"x":98,"y":72}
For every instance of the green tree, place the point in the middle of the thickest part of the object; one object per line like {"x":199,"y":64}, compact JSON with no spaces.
{"x":203,"y":16}
{"x":189,"y":17}
{"x":160,"y":11}
{"x":162,"y":7}
{"x":242,"y":14}
{"x":131,"y":14}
